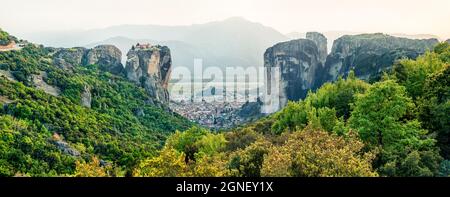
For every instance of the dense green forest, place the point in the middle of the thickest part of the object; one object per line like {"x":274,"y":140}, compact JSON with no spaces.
{"x":397,"y":126}
{"x":44,"y":135}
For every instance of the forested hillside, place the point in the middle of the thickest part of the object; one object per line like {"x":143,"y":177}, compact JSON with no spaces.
{"x":46,"y":135}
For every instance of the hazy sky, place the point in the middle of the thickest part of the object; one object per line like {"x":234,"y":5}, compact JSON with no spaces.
{"x":390,"y":16}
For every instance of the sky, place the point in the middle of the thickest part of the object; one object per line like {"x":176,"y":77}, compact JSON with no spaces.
{"x":388,"y":16}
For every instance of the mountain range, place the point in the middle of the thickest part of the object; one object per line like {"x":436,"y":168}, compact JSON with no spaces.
{"x":231,"y":42}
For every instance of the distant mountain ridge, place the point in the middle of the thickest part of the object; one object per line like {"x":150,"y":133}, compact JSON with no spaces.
{"x":231,"y":42}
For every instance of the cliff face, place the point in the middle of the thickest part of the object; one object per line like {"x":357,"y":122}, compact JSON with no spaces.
{"x":294,"y":64}
{"x":68,"y":58}
{"x":303,"y":66}
{"x":370,"y":54}
{"x":150,"y":67}
{"x":107,"y":57}
{"x":86,"y":97}
{"x":321,"y":43}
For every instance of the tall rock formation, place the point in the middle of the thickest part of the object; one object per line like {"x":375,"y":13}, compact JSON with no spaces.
{"x":321,"y":42}
{"x":294,"y":65}
{"x":370,"y":54}
{"x":86,"y":97}
{"x":68,"y":58}
{"x":107,"y":57}
{"x":150,"y":67}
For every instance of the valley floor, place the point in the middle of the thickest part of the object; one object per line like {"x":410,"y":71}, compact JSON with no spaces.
{"x":214,"y":114}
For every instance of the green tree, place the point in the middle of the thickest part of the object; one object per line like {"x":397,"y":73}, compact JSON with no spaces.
{"x":206,"y":160}
{"x":211,"y":143}
{"x":210,"y":165}
{"x":277,"y":162}
{"x":413,"y":73}
{"x":5,"y":38}
{"x":339,"y":95}
{"x":248,"y":162}
{"x":92,"y":169}
{"x":292,"y":117}
{"x":378,"y":114}
{"x":384,"y":117}
{"x":241,"y":138}
{"x":169,"y":163}
{"x":327,"y":118}
{"x":186,"y":142}
{"x":434,"y":108}
{"x":315,"y":153}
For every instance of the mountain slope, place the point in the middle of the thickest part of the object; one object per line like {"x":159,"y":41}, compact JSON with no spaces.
{"x":45,"y":135}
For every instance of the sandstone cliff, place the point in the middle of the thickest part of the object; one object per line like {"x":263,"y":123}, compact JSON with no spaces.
{"x":107,"y":57}
{"x":321,"y":42}
{"x":302,"y":66}
{"x":370,"y":54}
{"x":294,"y":64}
{"x":86,"y":97}
{"x":150,"y":67}
{"x":68,"y":58}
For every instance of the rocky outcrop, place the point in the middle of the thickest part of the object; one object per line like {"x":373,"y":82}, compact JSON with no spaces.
{"x":4,"y":102}
{"x":64,"y":146}
{"x":8,"y":75}
{"x":86,"y":97}
{"x":294,"y":64}
{"x":39,"y":83}
{"x":321,"y":42}
{"x":107,"y":57}
{"x":295,"y":67}
{"x":68,"y":58}
{"x":448,"y":41}
{"x":150,"y":67}
{"x":370,"y":54}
